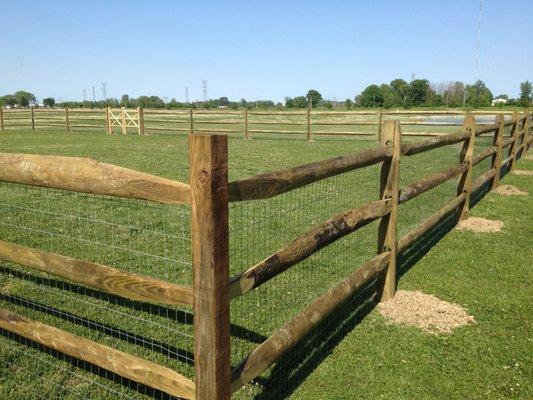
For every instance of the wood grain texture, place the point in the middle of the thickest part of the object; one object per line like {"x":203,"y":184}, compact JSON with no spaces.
{"x":307,"y":244}
{"x":488,"y":128}
{"x":409,"y":149}
{"x":466,"y":159}
{"x":300,"y":325}
{"x":498,"y":143}
{"x":210,"y":261}
{"x":390,"y":135}
{"x":271,"y":184}
{"x":483,"y":178}
{"x":484,"y":154}
{"x":118,"y":362}
{"x":110,"y":280}
{"x":89,"y":176}
{"x":429,"y":182}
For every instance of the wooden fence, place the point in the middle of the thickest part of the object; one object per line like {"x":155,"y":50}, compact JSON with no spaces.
{"x":208,"y":194}
{"x":248,"y":123}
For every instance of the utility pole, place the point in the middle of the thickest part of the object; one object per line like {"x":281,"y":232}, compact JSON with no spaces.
{"x":187,"y":94}
{"x":204,"y":88}
{"x":94,"y":96}
{"x":104,"y":91}
{"x":84,"y":94}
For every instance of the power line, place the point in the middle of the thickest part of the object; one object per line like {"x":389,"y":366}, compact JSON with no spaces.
{"x":104,"y":90}
{"x":204,"y":89}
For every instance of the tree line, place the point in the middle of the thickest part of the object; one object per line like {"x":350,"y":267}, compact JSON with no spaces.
{"x":396,"y":94}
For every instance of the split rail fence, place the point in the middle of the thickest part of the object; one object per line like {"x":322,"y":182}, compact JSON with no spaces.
{"x":248,"y":123}
{"x":208,"y":194}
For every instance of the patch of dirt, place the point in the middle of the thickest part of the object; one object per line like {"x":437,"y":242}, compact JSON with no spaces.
{"x":522,"y":172}
{"x":509,"y":190}
{"x":483,"y":225}
{"x":424,"y":311}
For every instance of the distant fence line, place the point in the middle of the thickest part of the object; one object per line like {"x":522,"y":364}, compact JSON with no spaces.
{"x":209,"y":194}
{"x":247,"y":123}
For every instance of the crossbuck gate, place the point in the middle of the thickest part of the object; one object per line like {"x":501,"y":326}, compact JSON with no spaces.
{"x":124,"y":119}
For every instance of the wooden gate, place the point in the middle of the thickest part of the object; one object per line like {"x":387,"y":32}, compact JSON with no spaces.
{"x":124,"y":119}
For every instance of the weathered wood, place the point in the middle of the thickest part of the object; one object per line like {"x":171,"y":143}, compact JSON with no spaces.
{"x":123,"y":120}
{"x":488,"y":128}
{"x":246,"y":133}
{"x":429,"y":182}
{"x":409,"y":149}
{"x":388,"y":189}
{"x":89,"y":176}
{"x":527,"y":130}
{"x":1,"y":119}
{"x":307,"y":244}
{"x":508,"y":141}
{"x":300,"y":325}
{"x":412,"y":236}
{"x":507,"y":160}
{"x":497,"y":157}
{"x":308,"y":121}
{"x":191,"y":121}
{"x":67,"y":122}
{"x":515,"y":130}
{"x":126,"y":365}
{"x":271,"y":184}
{"x":109,"y":128}
{"x":140,"y":118}
{"x":483,"y":178}
{"x":483,"y":155}
{"x":110,"y":280}
{"x":210,"y":261}
{"x":32,"y":111}
{"x":466,"y":159}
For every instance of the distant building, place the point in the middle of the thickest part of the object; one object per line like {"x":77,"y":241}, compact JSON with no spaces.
{"x":499,"y":101}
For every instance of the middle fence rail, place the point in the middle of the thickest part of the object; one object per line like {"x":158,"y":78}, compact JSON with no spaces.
{"x":209,"y":196}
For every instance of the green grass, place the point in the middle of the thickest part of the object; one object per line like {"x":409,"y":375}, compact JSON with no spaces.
{"x":486,"y":273}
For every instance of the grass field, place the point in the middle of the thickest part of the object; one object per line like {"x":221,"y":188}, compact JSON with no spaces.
{"x":488,"y":274}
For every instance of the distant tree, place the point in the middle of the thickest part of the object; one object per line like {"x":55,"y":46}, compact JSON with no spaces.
{"x":125,"y":100}
{"x":49,"y":102}
{"x":525,"y":93}
{"x":23,"y":98}
{"x":326,"y":104}
{"x":478,"y":95}
{"x":314,"y":96}
{"x":502,"y":96}
{"x":299,"y":102}
{"x":289,"y":103}
{"x":389,"y":98}
{"x":418,"y":92}
{"x":173,"y":103}
{"x":8,"y":100}
{"x":348,"y":103}
{"x":223,"y":102}
{"x":244,"y":104}
{"x":399,"y":89}
{"x":370,"y":97}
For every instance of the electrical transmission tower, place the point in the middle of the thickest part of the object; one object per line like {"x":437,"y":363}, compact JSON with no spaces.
{"x":204,"y":89}
{"x":104,"y":90}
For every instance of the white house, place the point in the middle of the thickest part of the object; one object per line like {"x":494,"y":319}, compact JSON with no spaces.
{"x":498,"y":101}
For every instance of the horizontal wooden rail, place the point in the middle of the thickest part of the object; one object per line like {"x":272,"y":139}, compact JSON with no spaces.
{"x":207,"y":130}
{"x":409,"y":149}
{"x":118,"y":362}
{"x":274,"y":131}
{"x":196,"y":121}
{"x":484,"y":154}
{"x":166,"y":121}
{"x":154,"y":128}
{"x":271,"y":184}
{"x":277,"y":123}
{"x":409,"y":123}
{"x":487,"y":129}
{"x":507,"y":160}
{"x":412,"y":236}
{"x":110,"y":280}
{"x":344,"y":133}
{"x":300,"y":325}
{"x":429,"y":182}
{"x":307,"y":244}
{"x":89,"y":176}
{"x":341,"y":123}
{"x":483,"y":178}
{"x":509,"y":141}
{"x":287,"y":113}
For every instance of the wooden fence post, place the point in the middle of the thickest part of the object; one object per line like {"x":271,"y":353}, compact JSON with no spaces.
{"x":246,"y":133}
{"x":466,"y":157}
{"x":140,"y":120}
{"x":32,"y":118}
{"x":525,"y":138}
{"x":309,"y":139}
{"x":497,"y":157}
{"x":380,"y":122}
{"x":210,"y":263}
{"x":389,"y":188}
{"x":1,"y":118}
{"x":67,"y":121}
{"x":123,"y":120}
{"x":191,"y":121}
{"x":515,"y":130}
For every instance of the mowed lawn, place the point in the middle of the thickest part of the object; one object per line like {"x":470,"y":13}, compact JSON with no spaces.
{"x":487,"y":273}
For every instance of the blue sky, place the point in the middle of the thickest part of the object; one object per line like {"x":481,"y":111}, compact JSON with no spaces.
{"x":257,"y":50}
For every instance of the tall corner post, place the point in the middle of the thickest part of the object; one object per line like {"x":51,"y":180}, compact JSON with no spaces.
{"x":210,"y":262}
{"x":140,"y":120}
{"x":466,"y":158}
{"x":497,"y":157}
{"x":389,"y":189}
{"x":32,"y":110}
{"x":67,"y":120}
{"x":515,"y":131}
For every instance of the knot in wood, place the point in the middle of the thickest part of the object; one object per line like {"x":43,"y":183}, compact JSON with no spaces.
{"x":203,"y":176}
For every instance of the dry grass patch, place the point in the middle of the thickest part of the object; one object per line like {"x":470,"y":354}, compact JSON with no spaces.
{"x":509,"y":190}
{"x":522,"y":172}
{"x":482,"y":225}
{"x":424,"y":311}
